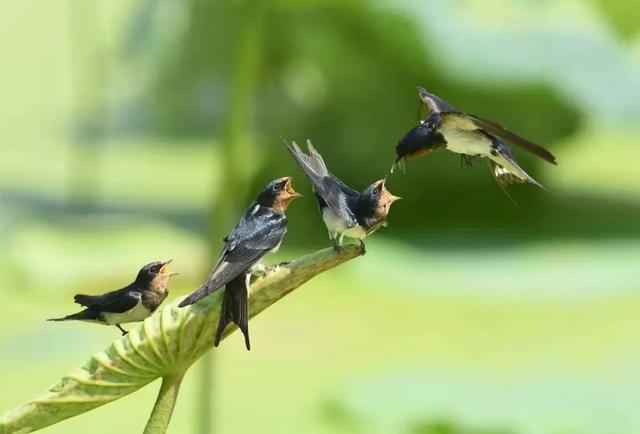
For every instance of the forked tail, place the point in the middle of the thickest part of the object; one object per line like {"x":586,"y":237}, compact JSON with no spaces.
{"x":235,"y":308}
{"x":83,"y":315}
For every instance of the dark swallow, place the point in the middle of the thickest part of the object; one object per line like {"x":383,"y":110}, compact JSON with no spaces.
{"x":345,"y":211}
{"x":471,"y":136}
{"x":260,"y":231}
{"x":133,"y":303}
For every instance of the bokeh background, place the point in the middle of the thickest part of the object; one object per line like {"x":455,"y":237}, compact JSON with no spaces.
{"x":136,"y":130}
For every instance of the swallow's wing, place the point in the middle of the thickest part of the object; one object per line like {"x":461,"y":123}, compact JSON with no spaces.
{"x":259,"y":232}
{"x":500,"y":131}
{"x":119,"y":301}
{"x":87,"y":300}
{"x":434,"y":103}
{"x":326,"y":185}
{"x":254,"y":236}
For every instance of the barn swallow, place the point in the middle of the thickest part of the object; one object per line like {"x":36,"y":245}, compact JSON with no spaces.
{"x":259,"y":231}
{"x":344,"y":211}
{"x":471,"y":136}
{"x":134,"y":302}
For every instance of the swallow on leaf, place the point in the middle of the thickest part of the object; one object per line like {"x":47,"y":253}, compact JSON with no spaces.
{"x":133,"y":303}
{"x":471,"y":136}
{"x":345,"y":211}
{"x":259,"y":231}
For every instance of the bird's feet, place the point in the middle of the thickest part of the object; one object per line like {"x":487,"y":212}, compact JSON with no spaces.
{"x":275,"y":267}
{"x":337,"y":247}
{"x":468,"y":160}
{"x":363,"y":248}
{"x":259,"y":269}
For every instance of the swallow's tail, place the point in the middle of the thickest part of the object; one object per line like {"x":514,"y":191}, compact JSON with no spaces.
{"x":83,"y":315}
{"x":235,"y":308}
{"x":505,"y":168}
{"x":508,"y":172}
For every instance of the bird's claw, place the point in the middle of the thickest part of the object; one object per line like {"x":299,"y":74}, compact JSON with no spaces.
{"x":363,"y":248}
{"x":259,"y":273}
{"x":273,"y":268}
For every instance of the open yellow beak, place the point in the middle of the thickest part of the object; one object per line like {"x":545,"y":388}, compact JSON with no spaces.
{"x":386,"y":196}
{"x":290,"y":191}
{"x":165,"y":268}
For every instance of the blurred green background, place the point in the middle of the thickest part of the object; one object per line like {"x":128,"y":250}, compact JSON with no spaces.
{"x":136,"y":130}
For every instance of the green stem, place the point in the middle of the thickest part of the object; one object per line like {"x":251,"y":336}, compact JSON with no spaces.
{"x":237,"y":164}
{"x":163,"y":408}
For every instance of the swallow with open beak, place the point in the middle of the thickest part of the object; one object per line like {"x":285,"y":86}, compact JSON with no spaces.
{"x":259,"y":231}
{"x":133,"y":303}
{"x":345,"y":211}
{"x":471,"y":136}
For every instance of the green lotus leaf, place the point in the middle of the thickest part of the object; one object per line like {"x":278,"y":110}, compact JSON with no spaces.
{"x":164,"y":346}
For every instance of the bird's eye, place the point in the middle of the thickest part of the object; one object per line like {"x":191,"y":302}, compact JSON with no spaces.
{"x":277,"y":187}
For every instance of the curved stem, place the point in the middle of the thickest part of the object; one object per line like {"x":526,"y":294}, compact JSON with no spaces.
{"x":163,"y":408}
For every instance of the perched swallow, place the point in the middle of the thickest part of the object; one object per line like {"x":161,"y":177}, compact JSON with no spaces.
{"x":260,"y":231}
{"x":471,"y":136}
{"x":133,"y":303}
{"x":345,"y":211}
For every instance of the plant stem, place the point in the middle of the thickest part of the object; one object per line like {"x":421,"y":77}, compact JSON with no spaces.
{"x":236,"y":168}
{"x":163,"y":408}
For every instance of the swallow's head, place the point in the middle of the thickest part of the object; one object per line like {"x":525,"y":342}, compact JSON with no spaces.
{"x":278,"y":194}
{"x":155,"y":276}
{"x":418,"y":141}
{"x":379,"y":199}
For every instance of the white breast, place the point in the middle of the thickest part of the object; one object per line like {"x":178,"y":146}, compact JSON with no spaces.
{"x":138,"y":313}
{"x":356,"y":232}
{"x":333,"y":222}
{"x":464,"y":141}
{"x":337,"y":226}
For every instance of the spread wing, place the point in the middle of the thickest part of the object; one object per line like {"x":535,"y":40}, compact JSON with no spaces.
{"x":260,"y":231}
{"x":334,"y":192}
{"x":503,"y":133}
{"x":119,"y":301}
{"x":434,"y":103}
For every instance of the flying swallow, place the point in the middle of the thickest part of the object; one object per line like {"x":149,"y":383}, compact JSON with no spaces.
{"x":471,"y":136}
{"x":259,"y":231}
{"x":133,"y":303}
{"x":345,"y":211}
